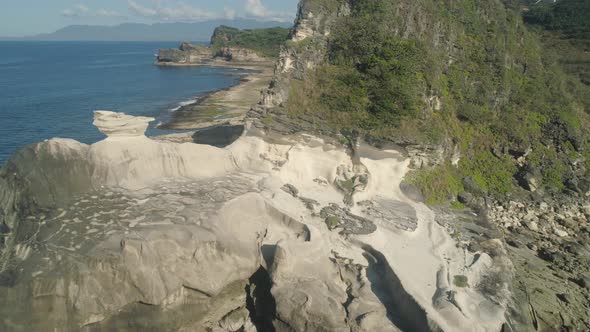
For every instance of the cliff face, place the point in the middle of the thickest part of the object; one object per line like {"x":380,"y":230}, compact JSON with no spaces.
{"x":305,"y":50}
{"x":229,"y":44}
{"x":237,"y":54}
{"x":234,"y":43}
{"x":444,"y":74}
{"x":188,"y":54}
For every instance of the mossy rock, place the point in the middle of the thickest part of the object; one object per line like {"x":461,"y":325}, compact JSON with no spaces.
{"x":461,"y":281}
{"x":346,"y":186}
{"x":332,"y":222}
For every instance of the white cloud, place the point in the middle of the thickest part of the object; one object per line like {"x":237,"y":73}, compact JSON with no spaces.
{"x":141,"y":10}
{"x":175,"y":12}
{"x":108,"y":13}
{"x":229,"y":12}
{"x":80,"y":10}
{"x":69,"y":13}
{"x":257,"y":10}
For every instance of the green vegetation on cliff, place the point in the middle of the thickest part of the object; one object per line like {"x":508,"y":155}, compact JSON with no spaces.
{"x":566,"y":25}
{"x":465,"y":73}
{"x":266,"y":42}
{"x":570,"y":16}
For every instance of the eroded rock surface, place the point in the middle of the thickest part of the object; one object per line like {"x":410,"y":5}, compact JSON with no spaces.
{"x":141,"y":234}
{"x":120,"y":125}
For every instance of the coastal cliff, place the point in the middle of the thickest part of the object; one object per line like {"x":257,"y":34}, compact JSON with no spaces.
{"x":228,"y":44}
{"x":186,"y":54}
{"x":488,"y":132}
{"x":250,"y":52}
{"x":412,"y":166}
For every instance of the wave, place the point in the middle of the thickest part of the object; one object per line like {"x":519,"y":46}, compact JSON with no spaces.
{"x":185,"y":103}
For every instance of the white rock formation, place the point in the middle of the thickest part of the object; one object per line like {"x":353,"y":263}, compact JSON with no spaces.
{"x":120,"y":125}
{"x":139,"y":227}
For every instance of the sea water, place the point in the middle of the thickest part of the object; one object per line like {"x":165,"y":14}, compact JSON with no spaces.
{"x":50,"y":89}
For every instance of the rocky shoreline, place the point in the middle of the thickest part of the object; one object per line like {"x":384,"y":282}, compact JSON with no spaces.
{"x":224,"y":107}
{"x":184,"y":229}
{"x":275,"y":227}
{"x":198,"y":55}
{"x":548,"y":244}
{"x":543,"y":242}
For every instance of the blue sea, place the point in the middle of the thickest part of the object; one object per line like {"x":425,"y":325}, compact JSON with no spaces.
{"x":50,"y":89}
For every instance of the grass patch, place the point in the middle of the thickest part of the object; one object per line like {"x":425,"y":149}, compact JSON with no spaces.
{"x":456,"y":205}
{"x":438,"y":185}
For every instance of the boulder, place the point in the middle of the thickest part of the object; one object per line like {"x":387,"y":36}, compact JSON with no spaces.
{"x":465,"y":198}
{"x":529,"y":180}
{"x":471,"y":186}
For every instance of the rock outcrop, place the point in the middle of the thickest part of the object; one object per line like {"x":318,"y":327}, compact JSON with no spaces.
{"x":120,"y":125}
{"x":156,"y":235}
{"x":191,"y":55}
{"x":306,"y":50}
{"x":238,"y":54}
{"x":186,"y":54}
{"x":548,"y":243}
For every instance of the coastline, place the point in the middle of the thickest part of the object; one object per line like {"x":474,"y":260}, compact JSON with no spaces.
{"x":227,"y":106}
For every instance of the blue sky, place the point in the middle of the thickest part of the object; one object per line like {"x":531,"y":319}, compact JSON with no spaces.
{"x":28,"y":17}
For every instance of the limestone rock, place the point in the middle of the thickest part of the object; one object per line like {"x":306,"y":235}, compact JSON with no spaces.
{"x":290,"y":189}
{"x":186,"y":54}
{"x":133,"y":233}
{"x":120,"y":125}
{"x":337,"y":217}
{"x":391,"y":214}
{"x":307,"y":288}
{"x":238,"y":54}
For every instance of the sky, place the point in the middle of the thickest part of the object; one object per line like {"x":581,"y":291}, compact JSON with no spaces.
{"x":29,"y":17}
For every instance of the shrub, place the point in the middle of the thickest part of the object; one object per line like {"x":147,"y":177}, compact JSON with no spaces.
{"x":490,"y":173}
{"x":438,"y":185}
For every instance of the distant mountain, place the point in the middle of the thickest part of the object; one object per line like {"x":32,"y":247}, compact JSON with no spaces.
{"x":200,"y":31}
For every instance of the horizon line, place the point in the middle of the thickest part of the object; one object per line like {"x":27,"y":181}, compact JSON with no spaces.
{"x":139,"y":23}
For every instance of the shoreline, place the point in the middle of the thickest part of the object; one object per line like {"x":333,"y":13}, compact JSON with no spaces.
{"x":226,"y":106}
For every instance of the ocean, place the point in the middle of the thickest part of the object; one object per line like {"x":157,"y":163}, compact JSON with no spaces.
{"x":50,"y":89}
